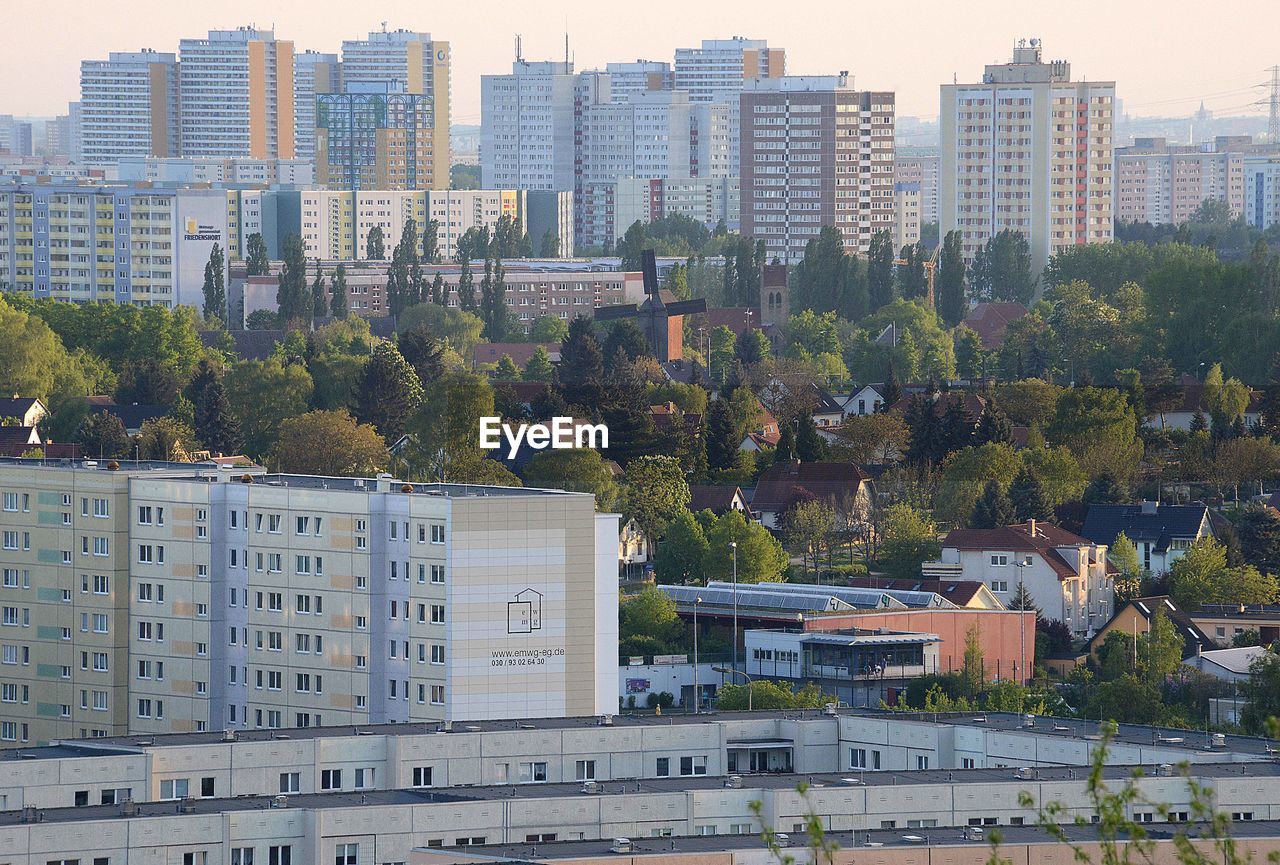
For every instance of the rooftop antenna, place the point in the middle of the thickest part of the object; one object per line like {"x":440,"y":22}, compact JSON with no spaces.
{"x":384,"y":26}
{"x":566,"y":42}
{"x":519,"y":49}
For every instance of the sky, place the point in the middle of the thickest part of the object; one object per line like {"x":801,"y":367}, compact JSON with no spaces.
{"x":1164,"y":56}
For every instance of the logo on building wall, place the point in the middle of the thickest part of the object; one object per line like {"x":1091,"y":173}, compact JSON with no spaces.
{"x":194,"y":230}
{"x":524,"y":614}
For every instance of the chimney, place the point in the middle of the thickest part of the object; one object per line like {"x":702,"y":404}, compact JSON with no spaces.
{"x":1031,"y":527}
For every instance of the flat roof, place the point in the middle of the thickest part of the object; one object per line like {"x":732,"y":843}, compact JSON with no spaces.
{"x":658,"y":786}
{"x":61,"y":750}
{"x":869,"y":839}
{"x":369,"y":485}
{"x":1070,"y":728}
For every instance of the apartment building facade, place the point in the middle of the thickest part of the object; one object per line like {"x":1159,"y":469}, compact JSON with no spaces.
{"x":237,"y":95}
{"x":920,"y":165}
{"x":815,"y":152}
{"x":1030,"y":150}
{"x":214,"y":170}
{"x":313,"y":72}
{"x":527,"y":127}
{"x":1165,"y":184}
{"x":1262,"y":191}
{"x":175,"y":598}
{"x":134,"y":245}
{"x":129,"y":107}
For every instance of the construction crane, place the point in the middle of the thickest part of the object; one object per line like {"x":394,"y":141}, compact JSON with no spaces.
{"x":930,"y":266}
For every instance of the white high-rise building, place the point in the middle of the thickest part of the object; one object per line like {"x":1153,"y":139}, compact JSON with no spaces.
{"x":1030,"y":150}
{"x":724,"y":65}
{"x":129,"y":106}
{"x":313,"y":72}
{"x":638,"y":76}
{"x":237,"y":95}
{"x":527,"y":127}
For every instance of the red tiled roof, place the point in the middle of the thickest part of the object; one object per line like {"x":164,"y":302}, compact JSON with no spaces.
{"x":1018,"y":539}
{"x":736,"y":318}
{"x":713,"y":498}
{"x":782,"y":483}
{"x":990,"y":320}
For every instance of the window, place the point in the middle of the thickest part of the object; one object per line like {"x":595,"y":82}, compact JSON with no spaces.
{"x":999,"y":560}
{"x":241,"y":856}
{"x":437,"y":533}
{"x":922,"y":761}
{"x":585,"y":770}
{"x":331,"y":779}
{"x":364,"y":779}
{"x":999,"y":585}
{"x":663,"y":768}
{"x":437,"y":574}
{"x":437,"y":653}
{"x":289,"y":782}
{"x":273,"y":524}
{"x":280,"y":854}
{"x":967,"y":763}
{"x":693,"y":765}
{"x":175,"y":788}
{"x":199,"y":857}
{"x":857,"y":758}
{"x":206,"y":788}
{"x":302,"y":525}
{"x":437,"y":695}
{"x":144,"y":515}
{"x":346,"y":854}
{"x":422,"y":776}
{"x":1238,"y":816}
{"x":533,"y":773}
{"x":437,"y":614}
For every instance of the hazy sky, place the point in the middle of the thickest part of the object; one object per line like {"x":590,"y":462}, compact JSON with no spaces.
{"x":1164,"y":55}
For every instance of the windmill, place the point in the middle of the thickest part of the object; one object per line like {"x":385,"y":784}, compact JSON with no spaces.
{"x":662,"y":323}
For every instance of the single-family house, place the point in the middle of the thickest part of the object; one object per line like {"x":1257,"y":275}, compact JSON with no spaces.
{"x":718,"y":499}
{"x":1134,"y":617}
{"x":1064,"y":574}
{"x":1162,"y":533}
{"x":26,"y":410}
{"x":843,"y":486}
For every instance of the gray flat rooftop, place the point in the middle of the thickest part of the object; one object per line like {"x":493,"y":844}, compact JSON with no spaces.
{"x":61,"y":750}
{"x":1070,"y":728}
{"x":874,"y":838}
{"x":661,"y":786}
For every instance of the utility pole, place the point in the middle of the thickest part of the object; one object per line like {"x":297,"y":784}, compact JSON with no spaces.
{"x":1273,"y":127}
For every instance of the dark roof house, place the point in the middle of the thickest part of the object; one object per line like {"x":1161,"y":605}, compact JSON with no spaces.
{"x":840,"y":484}
{"x":717,"y":499}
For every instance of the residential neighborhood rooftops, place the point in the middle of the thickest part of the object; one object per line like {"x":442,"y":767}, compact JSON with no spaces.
{"x":782,"y":484}
{"x":990,"y":321}
{"x":1145,"y":522}
{"x":1194,"y":639}
{"x":1043,"y":539}
{"x":714,"y":498}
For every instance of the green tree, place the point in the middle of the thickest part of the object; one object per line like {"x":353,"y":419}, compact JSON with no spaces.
{"x":581,"y":366}
{"x":319,"y":294}
{"x":263,"y":394}
{"x":215,"y":424}
{"x":1258,"y":529}
{"x":1123,"y":556}
{"x":908,"y":538}
{"x":650,"y":613}
{"x":549,"y":328}
{"x":1001,"y":270}
{"x":550,"y":245}
{"x":30,"y":352}
{"x":431,"y":242}
{"x":215,"y":286}
{"x":388,"y":392}
{"x":506,"y":369}
{"x":1201,"y":576}
{"x":147,"y":381}
{"x":165,"y":439}
{"x":102,"y":435}
{"x":338,"y":293}
{"x":965,"y":476}
{"x":1028,"y":497}
{"x":444,"y":445}
{"x":654,"y":493}
{"x":807,"y":525}
{"x":1261,"y":692}
{"x":993,"y":508}
{"x":679,"y":556}
{"x":330,"y":444}
{"x":767,"y":695}
{"x":880,"y":270}
{"x":760,"y":555}
{"x":949,"y":282}
{"x":292,"y":298}
{"x":256,"y":261}
{"x":539,"y":367}
{"x":579,"y":471}
{"x":422,"y":351}
{"x":375,"y":245}
{"x":1159,"y":650}
{"x":723,"y":343}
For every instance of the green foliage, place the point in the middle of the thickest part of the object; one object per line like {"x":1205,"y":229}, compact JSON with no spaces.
{"x":1261,"y":692}
{"x":909,"y":538}
{"x":539,"y":367}
{"x":1201,"y":576}
{"x":649,"y":614}
{"x":654,"y":493}
{"x":330,"y":444}
{"x":549,"y":328}
{"x":215,"y":286}
{"x":923,"y":349}
{"x":949,"y":281}
{"x":256,"y":261}
{"x":967,"y":473}
{"x":1001,"y":270}
{"x":292,"y":296}
{"x":993,"y":508}
{"x":768,"y":695}
{"x":679,"y":556}
{"x":103,"y":436}
{"x":581,"y":471}
{"x":760,"y":555}
{"x":263,"y":394}
{"x":454,"y":328}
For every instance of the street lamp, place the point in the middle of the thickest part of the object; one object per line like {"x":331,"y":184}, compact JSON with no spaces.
{"x":696,"y":701}
{"x":734,"y":546}
{"x":1022,"y":622}
{"x":750,"y":689}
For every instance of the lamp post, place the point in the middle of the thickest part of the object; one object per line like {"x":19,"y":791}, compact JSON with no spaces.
{"x":750,"y":691}
{"x":696,"y":701}
{"x":733,"y":545}
{"x":1022,"y":623}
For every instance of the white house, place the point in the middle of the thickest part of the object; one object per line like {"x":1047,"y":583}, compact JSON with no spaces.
{"x":1065,"y":574}
{"x":1161,"y":533}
